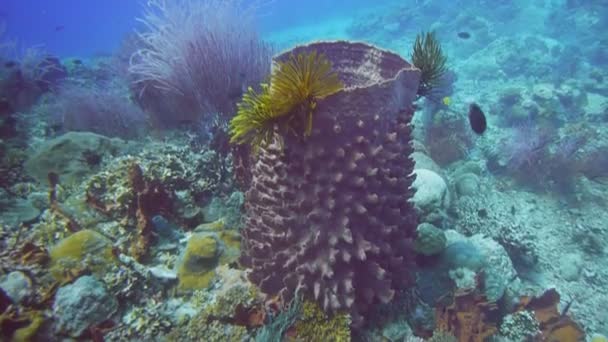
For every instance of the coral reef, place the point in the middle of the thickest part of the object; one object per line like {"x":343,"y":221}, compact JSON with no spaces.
{"x":328,"y":215}
{"x":520,"y":326}
{"x":314,"y":325}
{"x":469,"y":317}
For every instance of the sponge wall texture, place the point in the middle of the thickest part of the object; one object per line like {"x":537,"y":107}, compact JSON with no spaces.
{"x":328,"y":216}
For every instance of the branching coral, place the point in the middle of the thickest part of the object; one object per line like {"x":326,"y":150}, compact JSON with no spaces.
{"x":428,"y":56}
{"x":95,"y":109}
{"x":295,"y":87}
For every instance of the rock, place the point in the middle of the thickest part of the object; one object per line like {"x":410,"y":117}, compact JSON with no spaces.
{"x":571,"y":265}
{"x":498,"y":269}
{"x":79,"y":305}
{"x":67,"y":156}
{"x":423,"y":161}
{"x":16,"y":285}
{"x":464,"y":278}
{"x":597,"y":106}
{"x":467,"y":185}
{"x":432,"y":194}
{"x":430,"y":240}
{"x":163,"y":273}
{"x":19,"y":211}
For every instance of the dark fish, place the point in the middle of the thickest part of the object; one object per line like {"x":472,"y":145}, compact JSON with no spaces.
{"x":10,"y":64}
{"x":565,"y":310}
{"x":59,"y":28}
{"x":477,"y":119}
{"x":464,"y":35}
{"x":77,"y":61}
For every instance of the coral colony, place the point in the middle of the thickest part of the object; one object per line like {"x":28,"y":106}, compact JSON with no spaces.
{"x":210,"y":182}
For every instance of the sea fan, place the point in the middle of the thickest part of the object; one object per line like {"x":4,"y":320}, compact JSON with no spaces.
{"x":527,"y":146}
{"x":197,"y":58}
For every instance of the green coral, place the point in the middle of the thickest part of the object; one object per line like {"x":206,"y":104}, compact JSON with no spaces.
{"x":86,"y":249}
{"x":315,"y":325}
{"x":295,"y":87}
{"x":428,"y":56}
{"x":440,"y":336}
{"x":226,"y":303}
{"x":196,"y":270}
{"x":430,"y":240}
{"x":274,"y":330}
{"x":201,"y":328}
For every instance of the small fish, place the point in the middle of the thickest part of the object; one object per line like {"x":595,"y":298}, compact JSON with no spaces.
{"x":447,"y":101}
{"x":477,"y":119}
{"x":10,"y":64}
{"x":464,"y":35}
{"x":77,"y":61}
{"x":59,"y":28}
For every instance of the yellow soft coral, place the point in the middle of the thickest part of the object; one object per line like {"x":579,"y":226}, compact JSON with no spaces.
{"x":315,"y":325}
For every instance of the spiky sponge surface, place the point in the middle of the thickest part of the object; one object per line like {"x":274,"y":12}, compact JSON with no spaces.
{"x":329,"y":215}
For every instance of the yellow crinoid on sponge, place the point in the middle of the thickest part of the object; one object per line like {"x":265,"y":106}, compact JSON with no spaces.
{"x":295,"y":87}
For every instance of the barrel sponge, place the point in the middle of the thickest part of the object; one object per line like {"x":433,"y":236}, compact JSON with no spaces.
{"x":329,"y":216}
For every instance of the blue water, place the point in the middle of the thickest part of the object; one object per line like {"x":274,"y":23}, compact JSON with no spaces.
{"x":89,"y":28}
{"x":510,"y":160}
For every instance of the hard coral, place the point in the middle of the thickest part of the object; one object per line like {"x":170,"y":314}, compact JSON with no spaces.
{"x":329,"y":216}
{"x":469,"y":317}
{"x":315,"y":325}
{"x":197,"y":266}
{"x":554,"y":325}
{"x":86,"y":249}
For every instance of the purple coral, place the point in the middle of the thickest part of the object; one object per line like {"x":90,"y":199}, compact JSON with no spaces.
{"x":526,"y":147}
{"x":92,"y":109}
{"x":196,"y":58}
